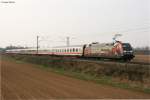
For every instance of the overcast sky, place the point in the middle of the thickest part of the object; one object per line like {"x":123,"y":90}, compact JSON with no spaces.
{"x":84,"y":21}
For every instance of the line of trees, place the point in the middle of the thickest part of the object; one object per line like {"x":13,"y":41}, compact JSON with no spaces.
{"x":11,"y":47}
{"x":14,"y":47}
{"x":142,"y":50}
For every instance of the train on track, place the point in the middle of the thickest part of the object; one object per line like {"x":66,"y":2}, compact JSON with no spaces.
{"x":117,"y":50}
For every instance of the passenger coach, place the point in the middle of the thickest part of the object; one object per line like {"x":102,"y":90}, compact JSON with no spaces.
{"x":117,"y":50}
{"x":76,"y":50}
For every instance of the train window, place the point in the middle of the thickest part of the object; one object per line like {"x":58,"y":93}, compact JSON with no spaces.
{"x":126,"y":46}
{"x":70,"y":50}
{"x":67,"y":50}
{"x":76,"y":49}
{"x":73,"y":50}
{"x":79,"y":50}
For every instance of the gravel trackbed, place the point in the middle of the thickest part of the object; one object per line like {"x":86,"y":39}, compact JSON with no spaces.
{"x":23,"y":81}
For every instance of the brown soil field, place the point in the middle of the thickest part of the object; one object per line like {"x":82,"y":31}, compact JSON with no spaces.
{"x":142,"y":58}
{"x":24,"y":81}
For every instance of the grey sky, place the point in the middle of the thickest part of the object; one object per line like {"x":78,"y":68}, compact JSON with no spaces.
{"x":84,"y":20}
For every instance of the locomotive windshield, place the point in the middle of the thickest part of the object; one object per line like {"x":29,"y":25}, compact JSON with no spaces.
{"x":127,"y":46}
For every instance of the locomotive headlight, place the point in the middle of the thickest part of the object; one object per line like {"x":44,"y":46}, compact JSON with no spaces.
{"x":131,"y":51}
{"x":124,"y":51}
{"x":128,"y":51}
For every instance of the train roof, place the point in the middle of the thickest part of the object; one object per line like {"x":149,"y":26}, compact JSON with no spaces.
{"x":21,"y":49}
{"x":33,"y":48}
{"x":100,"y":44}
{"x":71,"y":46}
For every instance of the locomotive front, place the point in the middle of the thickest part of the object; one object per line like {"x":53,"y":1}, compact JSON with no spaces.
{"x":117,"y":50}
{"x":128,"y":53}
{"x":123,"y":50}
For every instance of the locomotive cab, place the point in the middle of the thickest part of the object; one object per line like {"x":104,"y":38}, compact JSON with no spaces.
{"x":128,"y":53}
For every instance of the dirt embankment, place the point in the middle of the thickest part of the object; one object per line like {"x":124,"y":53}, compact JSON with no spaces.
{"x":21,"y":81}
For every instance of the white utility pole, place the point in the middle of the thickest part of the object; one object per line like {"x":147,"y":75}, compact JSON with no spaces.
{"x":68,"y":41}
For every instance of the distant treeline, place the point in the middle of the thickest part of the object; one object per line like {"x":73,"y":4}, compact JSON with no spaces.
{"x":142,"y":50}
{"x":11,"y":47}
{"x":1,"y":49}
{"x":14,"y":47}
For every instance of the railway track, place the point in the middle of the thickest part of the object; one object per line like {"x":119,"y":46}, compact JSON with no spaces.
{"x":94,"y":59}
{"x":141,"y":63}
{"x":113,"y":61}
{"x":101,"y":60}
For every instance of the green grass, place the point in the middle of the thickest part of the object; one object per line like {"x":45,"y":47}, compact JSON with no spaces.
{"x":104,"y":80}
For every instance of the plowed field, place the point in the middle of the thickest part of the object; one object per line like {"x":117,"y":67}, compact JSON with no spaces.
{"x":23,"y":81}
